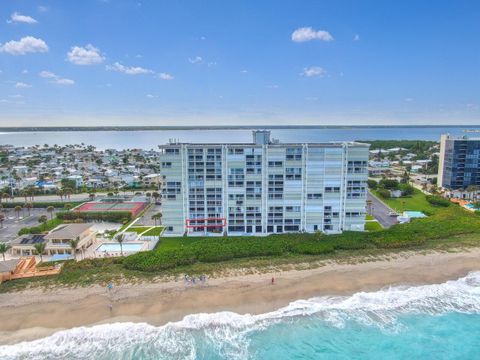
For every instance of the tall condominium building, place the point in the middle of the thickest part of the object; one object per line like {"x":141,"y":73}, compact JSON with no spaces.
{"x":263,"y":187}
{"x":459,"y":163}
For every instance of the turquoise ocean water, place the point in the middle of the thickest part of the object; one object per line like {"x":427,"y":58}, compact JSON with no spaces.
{"x":403,"y":322}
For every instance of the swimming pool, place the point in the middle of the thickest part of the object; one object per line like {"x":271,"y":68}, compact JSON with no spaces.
{"x":115,"y":247}
{"x":414,"y":214}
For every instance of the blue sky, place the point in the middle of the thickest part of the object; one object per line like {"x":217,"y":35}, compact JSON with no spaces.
{"x":146,"y":62}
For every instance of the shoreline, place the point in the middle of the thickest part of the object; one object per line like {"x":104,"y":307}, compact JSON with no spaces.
{"x":36,"y":313}
{"x":33,"y":129}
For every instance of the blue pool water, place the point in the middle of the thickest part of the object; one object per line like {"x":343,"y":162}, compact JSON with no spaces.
{"x":421,"y":322}
{"x":113,"y":247}
{"x":415,"y":214}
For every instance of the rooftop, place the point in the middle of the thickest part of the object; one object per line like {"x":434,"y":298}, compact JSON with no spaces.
{"x":29,"y":240}
{"x":70,"y":231}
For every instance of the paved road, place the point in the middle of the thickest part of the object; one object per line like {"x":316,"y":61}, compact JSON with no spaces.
{"x":380,"y":211}
{"x":147,"y":217}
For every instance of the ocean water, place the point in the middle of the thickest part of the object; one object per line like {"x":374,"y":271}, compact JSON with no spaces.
{"x":404,"y":322}
{"x":152,"y":138}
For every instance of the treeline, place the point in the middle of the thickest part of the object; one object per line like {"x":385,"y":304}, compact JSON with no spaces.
{"x":415,"y":146}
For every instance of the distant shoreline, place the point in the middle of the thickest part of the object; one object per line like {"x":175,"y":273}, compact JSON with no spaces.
{"x":217,"y":127}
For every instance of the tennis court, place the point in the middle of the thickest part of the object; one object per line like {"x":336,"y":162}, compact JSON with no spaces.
{"x":134,"y":207}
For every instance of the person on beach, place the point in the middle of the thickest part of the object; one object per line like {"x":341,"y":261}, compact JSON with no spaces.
{"x":273,"y":281}
{"x":110,"y":307}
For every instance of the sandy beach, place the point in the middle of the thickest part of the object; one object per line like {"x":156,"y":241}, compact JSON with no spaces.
{"x":37,"y":313}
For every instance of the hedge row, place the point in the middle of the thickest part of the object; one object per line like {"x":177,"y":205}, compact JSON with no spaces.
{"x":109,"y":216}
{"x":437,"y":201}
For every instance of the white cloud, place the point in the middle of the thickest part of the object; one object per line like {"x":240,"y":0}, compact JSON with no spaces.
{"x":55,"y":79}
{"x":47,"y":74}
{"x":165,"y":76}
{"x":409,"y":99}
{"x":27,"y":44}
{"x":19,"y":18}
{"x":307,"y":33}
{"x":21,"y":85}
{"x":88,"y":55}
{"x":24,"y":71}
{"x":272,"y":86}
{"x":150,"y":96}
{"x":195,"y":60}
{"x":16,"y":96}
{"x":133,"y":70}
{"x":356,"y":37}
{"x":244,"y":71}
{"x":42,"y":8}
{"x":62,"y":81}
{"x":313,"y":71}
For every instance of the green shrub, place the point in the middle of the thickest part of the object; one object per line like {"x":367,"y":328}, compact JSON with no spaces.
{"x":384,"y":193}
{"x":109,"y":216}
{"x":389,"y":184}
{"x":372,"y":184}
{"x":49,"y":225}
{"x":406,"y":189}
{"x":437,"y":201}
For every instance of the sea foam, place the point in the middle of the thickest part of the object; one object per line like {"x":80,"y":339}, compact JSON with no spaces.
{"x":228,"y":334}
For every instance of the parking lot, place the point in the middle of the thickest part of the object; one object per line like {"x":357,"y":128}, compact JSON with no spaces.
{"x":12,"y":225}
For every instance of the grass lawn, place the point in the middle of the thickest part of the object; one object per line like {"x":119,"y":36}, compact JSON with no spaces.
{"x":416,"y":202}
{"x":154,"y":231}
{"x":147,"y":230}
{"x":369,"y":217}
{"x":138,"y":229}
{"x":373,"y":226}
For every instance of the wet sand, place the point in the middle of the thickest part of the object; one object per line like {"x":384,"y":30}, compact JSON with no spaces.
{"x":37,"y":313}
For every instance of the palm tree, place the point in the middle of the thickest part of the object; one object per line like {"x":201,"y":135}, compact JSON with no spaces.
{"x":43,"y":220}
{"x":50,"y":210}
{"x":157,"y":216}
{"x":120,"y":239}
{"x":369,"y":206}
{"x":472,"y":189}
{"x":40,"y":249}
{"x":18,"y":208}
{"x":60,"y":193}
{"x":29,"y":207}
{"x":3,"y":249}
{"x":74,"y":244}
{"x":155,"y":195}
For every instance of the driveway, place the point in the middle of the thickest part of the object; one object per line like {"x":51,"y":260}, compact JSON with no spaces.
{"x":380,"y":210}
